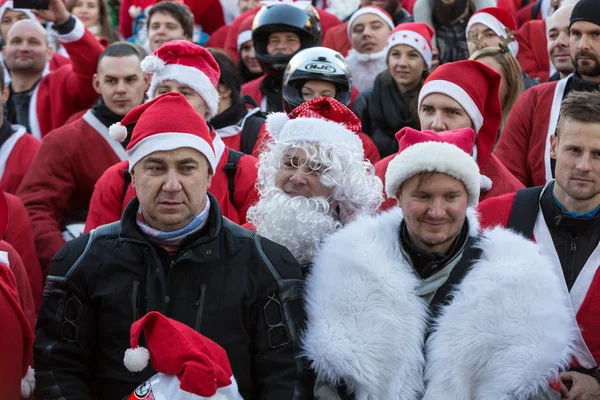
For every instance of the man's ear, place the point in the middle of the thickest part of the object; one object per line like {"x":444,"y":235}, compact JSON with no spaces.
{"x":553,"y":145}
{"x":132,"y":173}
{"x":96,"y":83}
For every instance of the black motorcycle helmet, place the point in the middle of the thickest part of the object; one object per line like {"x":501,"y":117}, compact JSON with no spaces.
{"x":317,"y":63}
{"x":283,"y":18}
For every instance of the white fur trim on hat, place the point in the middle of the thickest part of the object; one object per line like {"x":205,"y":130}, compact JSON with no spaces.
{"x":369,"y":10}
{"x":310,"y":130}
{"x":189,"y":76}
{"x":494,"y":24}
{"x":243,"y":37}
{"x":28,"y":383}
{"x":434,"y":156}
{"x":136,"y":360}
{"x":409,"y":38}
{"x":457,"y":93}
{"x":171,"y":141}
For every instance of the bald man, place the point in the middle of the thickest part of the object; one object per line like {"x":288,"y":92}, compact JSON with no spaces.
{"x":558,"y":42}
{"x":43,"y":102}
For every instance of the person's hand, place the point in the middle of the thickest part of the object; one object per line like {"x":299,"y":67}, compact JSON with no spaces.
{"x":583,"y":387}
{"x":435,"y":58}
{"x":56,"y":12}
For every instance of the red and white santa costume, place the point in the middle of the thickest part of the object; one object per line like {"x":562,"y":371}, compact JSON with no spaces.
{"x":524,"y":146}
{"x":585,"y":308}
{"x":475,"y":87}
{"x":194,"y":66}
{"x":16,"y":155}
{"x":506,"y":334}
{"x":69,"y":89}
{"x":190,"y":366}
{"x":61,"y":179}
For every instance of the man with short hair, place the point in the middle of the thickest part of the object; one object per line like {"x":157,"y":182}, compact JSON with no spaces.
{"x":171,"y":252}
{"x":187,"y":68}
{"x":169,"y":21}
{"x":415,"y":304}
{"x":313,"y":177}
{"x":524,"y":146}
{"x":563,"y":217}
{"x":558,"y":43}
{"x":42,"y":103}
{"x":58,"y":186}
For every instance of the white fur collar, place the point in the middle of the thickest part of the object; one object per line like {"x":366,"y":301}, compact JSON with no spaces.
{"x":366,"y":322}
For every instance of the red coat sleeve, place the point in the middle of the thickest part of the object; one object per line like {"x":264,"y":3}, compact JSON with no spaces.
{"x":106,"y":205}
{"x":371,"y":152}
{"x":45,"y":191}
{"x":23,"y":287}
{"x":19,"y":235}
{"x":513,"y":145}
{"x":245,"y":195}
{"x":380,"y":170}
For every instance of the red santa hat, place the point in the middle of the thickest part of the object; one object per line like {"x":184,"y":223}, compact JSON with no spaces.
{"x":416,"y":35}
{"x":245,"y":31}
{"x":380,"y":12}
{"x":10,"y":5}
{"x":322,"y":119}
{"x":474,"y":86}
{"x":10,"y":295}
{"x":166,"y":123}
{"x":448,"y":152}
{"x":189,"y":365}
{"x":498,"y":20}
{"x":189,"y":64}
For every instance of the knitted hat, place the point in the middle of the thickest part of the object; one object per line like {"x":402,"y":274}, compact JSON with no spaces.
{"x":474,"y":86}
{"x":414,"y":34}
{"x":245,"y":31}
{"x":189,"y":64}
{"x":189,"y":365}
{"x":166,"y":123}
{"x":322,"y":119}
{"x":428,"y":151}
{"x":497,"y":19}
{"x":380,"y":12}
{"x":10,"y":5}
{"x":586,"y":10}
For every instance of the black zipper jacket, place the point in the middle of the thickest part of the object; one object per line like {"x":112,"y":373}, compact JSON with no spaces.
{"x":238,"y":289}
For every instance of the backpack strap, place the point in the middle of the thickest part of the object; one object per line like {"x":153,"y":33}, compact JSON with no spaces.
{"x":250,"y":131}
{"x":525,"y":210}
{"x":230,"y":169}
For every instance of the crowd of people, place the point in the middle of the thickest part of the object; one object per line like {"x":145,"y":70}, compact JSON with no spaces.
{"x":295,"y":199}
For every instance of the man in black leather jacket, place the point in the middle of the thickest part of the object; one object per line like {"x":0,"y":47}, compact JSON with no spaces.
{"x":172,"y":252}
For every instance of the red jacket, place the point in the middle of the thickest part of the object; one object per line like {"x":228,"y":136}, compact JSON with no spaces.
{"x":523,"y":145}
{"x":108,"y":202}
{"x":16,"y":154}
{"x":327,"y":21}
{"x":337,"y":39}
{"x":252,"y":89}
{"x":207,"y":13}
{"x":61,"y":179}
{"x":533,"y":49}
{"x":58,"y":61}
{"x":19,"y":234}
{"x":497,"y":211}
{"x":23,"y":287}
{"x":502,"y":180}
{"x":69,"y":89}
{"x":17,"y":337}
{"x":526,"y":13}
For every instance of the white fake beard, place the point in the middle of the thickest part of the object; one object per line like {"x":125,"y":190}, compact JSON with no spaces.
{"x":365,"y":67}
{"x":298,"y":223}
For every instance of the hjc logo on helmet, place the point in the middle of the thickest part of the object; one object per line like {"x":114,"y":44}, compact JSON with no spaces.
{"x":143,"y":392}
{"x":320,"y":67}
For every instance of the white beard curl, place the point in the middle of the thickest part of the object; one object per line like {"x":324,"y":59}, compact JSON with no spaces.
{"x":365,"y":67}
{"x":298,"y":223}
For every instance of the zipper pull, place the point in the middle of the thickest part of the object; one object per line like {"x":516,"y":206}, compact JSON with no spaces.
{"x":573,"y":245}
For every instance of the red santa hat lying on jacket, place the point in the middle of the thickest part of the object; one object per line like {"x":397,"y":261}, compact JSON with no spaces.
{"x":190,"y":366}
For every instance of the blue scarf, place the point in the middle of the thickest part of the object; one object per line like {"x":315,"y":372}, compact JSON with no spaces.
{"x":587,"y":215}
{"x":174,"y":238}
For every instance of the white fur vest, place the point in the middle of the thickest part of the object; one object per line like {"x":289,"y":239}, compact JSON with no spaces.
{"x":504,"y":335}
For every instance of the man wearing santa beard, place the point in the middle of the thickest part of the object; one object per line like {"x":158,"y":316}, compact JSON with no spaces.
{"x":312,"y":177}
